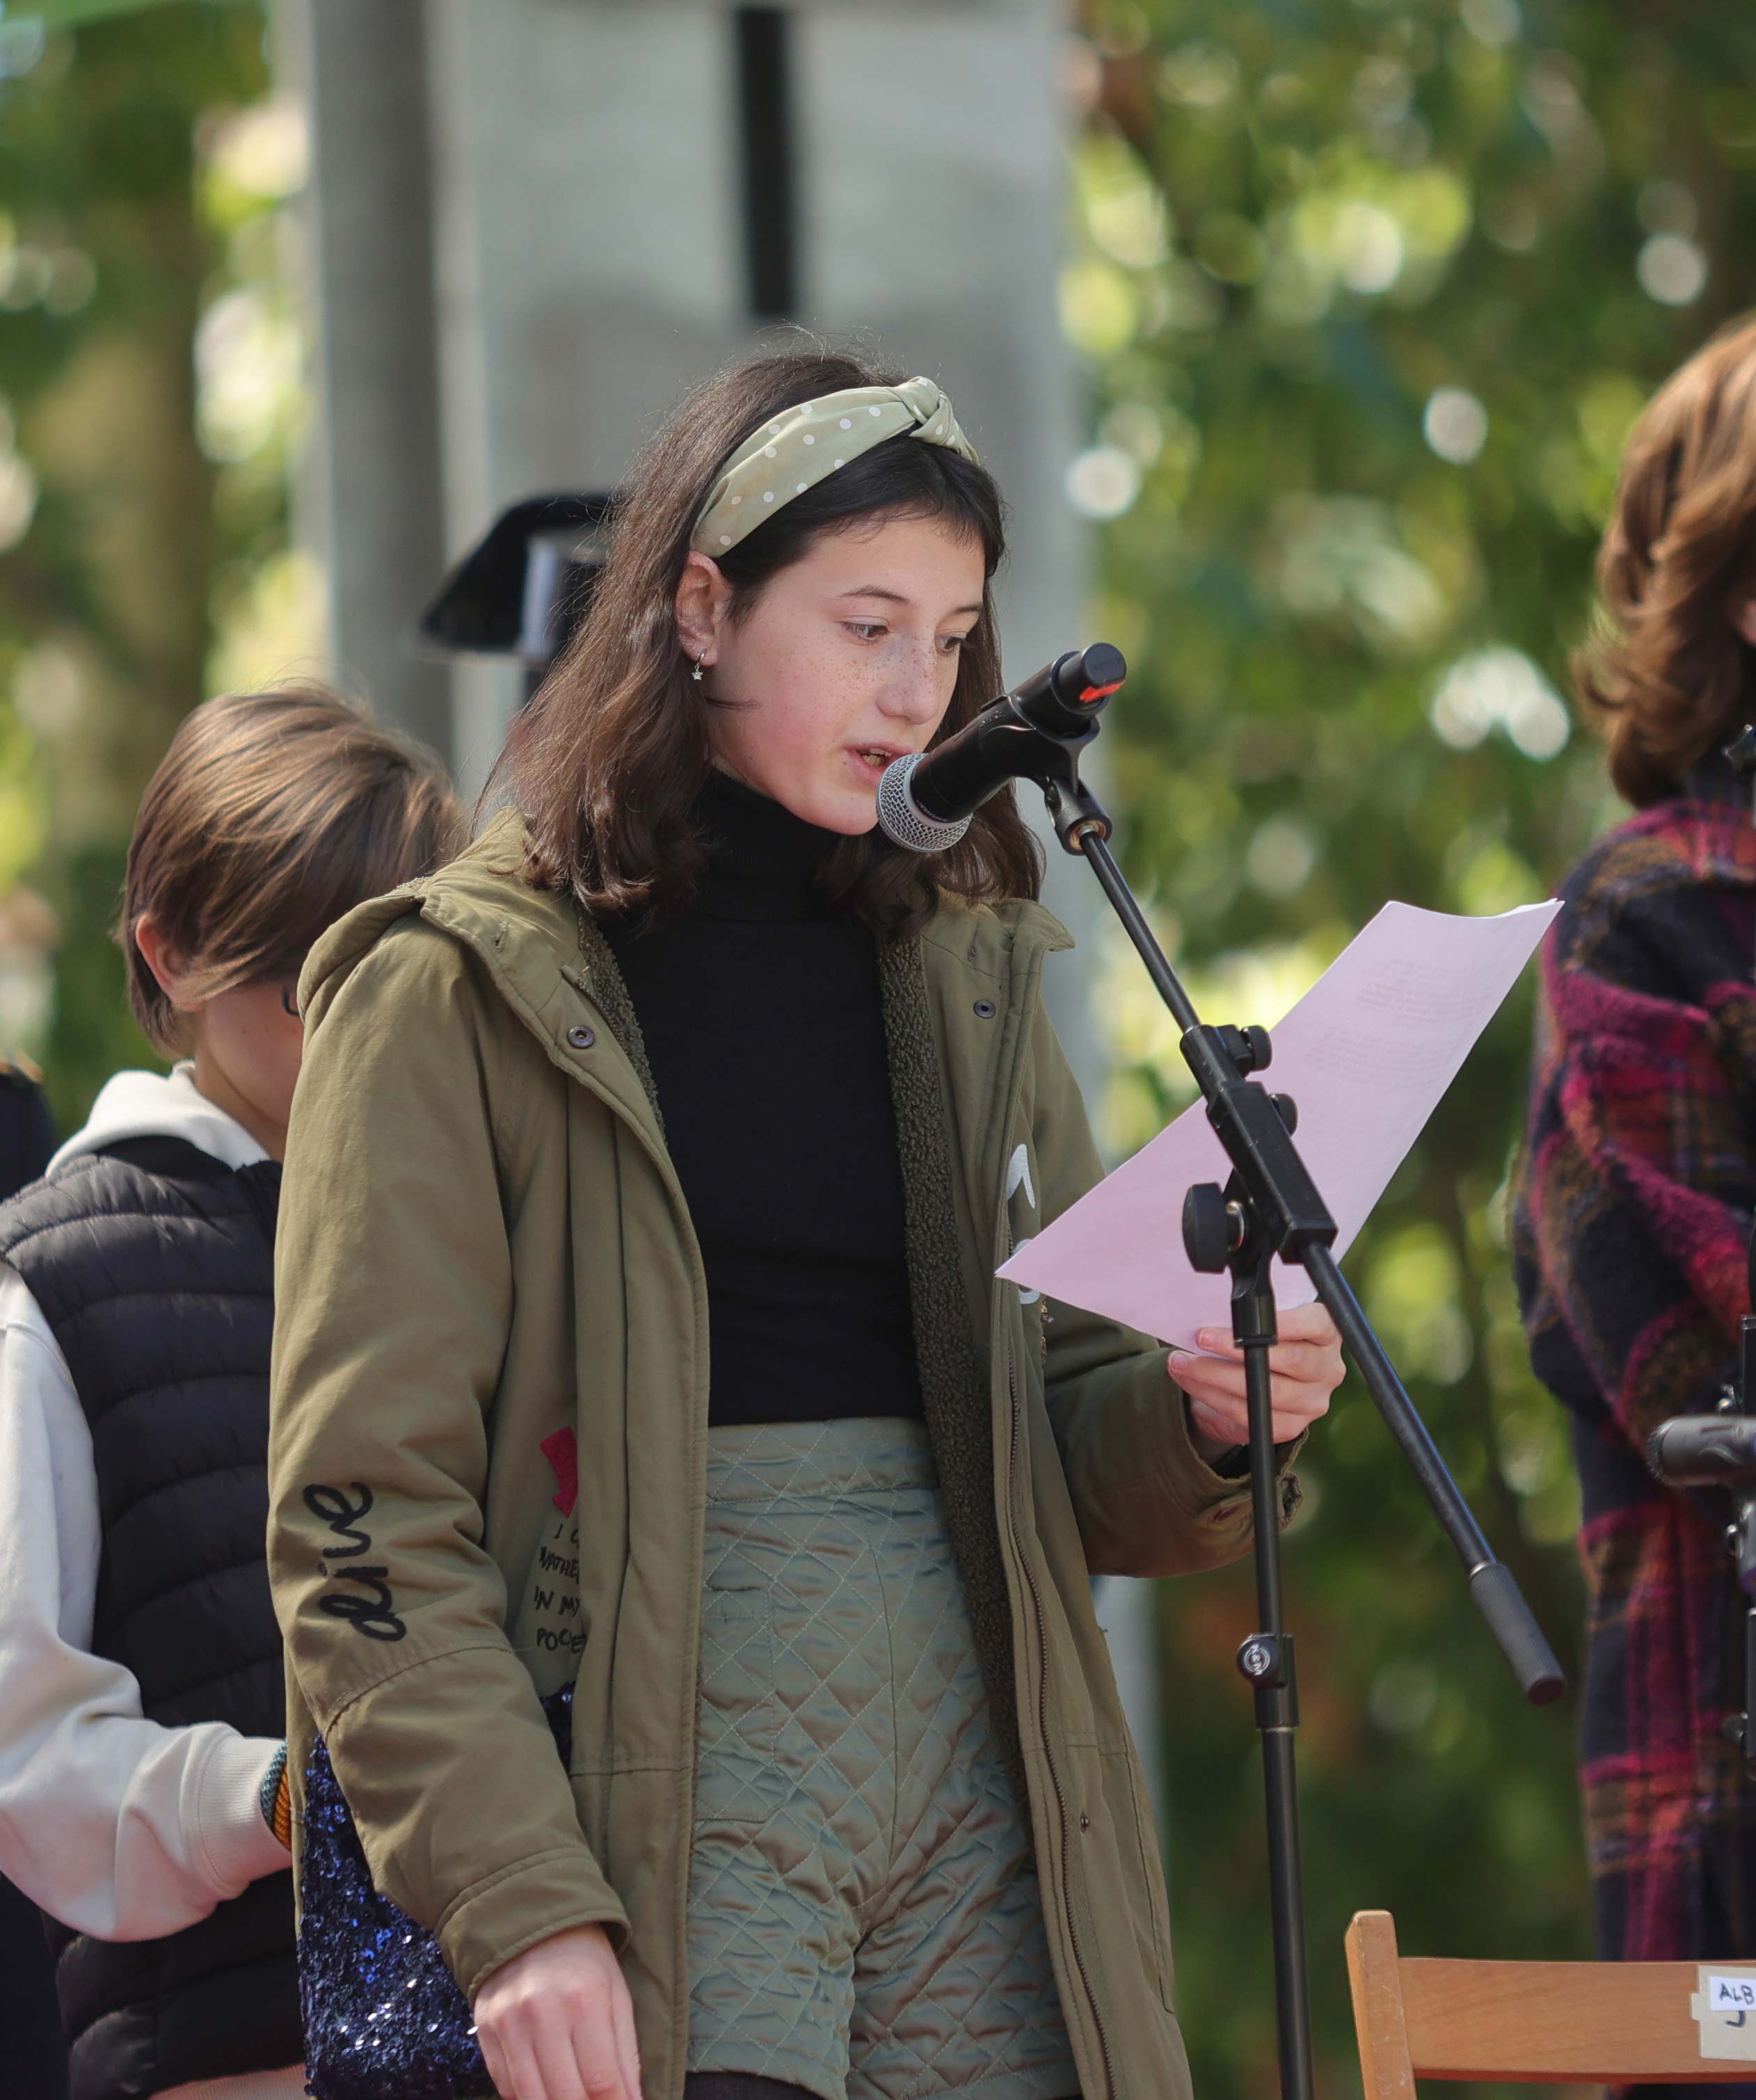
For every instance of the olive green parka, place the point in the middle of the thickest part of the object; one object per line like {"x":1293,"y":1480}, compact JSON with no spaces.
{"x":487,"y":1279}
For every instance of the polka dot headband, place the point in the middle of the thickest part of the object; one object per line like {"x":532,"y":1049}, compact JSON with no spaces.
{"x":804,"y":446}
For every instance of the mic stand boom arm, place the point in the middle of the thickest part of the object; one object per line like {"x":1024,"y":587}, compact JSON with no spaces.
{"x":1272,"y":1206}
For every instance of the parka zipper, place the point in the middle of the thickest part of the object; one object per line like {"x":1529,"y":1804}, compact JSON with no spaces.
{"x":661,"y":1160}
{"x":1048,"y":1756}
{"x":1016,"y":1437}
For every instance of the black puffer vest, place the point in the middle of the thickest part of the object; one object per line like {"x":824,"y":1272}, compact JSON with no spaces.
{"x":154,"y":1266}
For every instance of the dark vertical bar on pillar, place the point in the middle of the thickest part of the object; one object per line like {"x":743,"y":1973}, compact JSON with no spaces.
{"x":766,"y":146}
{"x":372,"y":222}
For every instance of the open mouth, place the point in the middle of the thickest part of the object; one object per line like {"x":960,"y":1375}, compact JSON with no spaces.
{"x":876,"y":756}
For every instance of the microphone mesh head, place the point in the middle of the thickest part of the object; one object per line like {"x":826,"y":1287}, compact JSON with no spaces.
{"x":898,"y":817}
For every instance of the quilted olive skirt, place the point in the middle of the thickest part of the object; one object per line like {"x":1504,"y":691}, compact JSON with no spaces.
{"x":864,"y":1915}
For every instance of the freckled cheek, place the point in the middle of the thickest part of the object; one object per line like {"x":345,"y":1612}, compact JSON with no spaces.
{"x":826,"y":701}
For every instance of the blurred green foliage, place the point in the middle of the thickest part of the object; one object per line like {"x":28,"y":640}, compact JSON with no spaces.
{"x":125,"y":519}
{"x":1370,"y":292}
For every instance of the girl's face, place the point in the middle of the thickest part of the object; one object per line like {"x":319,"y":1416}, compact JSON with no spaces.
{"x":846,"y":661}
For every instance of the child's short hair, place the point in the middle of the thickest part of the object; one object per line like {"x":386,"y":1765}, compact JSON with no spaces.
{"x":271,"y":815}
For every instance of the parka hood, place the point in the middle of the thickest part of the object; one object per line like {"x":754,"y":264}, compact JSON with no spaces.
{"x":527,"y":937}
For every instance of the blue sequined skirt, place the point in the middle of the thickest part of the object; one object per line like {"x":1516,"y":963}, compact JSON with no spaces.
{"x":383,"y":2014}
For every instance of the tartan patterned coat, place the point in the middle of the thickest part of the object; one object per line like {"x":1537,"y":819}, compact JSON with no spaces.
{"x":1631,"y":1222}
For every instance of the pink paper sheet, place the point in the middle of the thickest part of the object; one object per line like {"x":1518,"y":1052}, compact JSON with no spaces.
{"x":1366,"y":1054}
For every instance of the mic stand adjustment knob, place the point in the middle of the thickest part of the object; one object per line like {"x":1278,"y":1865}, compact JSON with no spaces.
{"x":1213,"y":1228}
{"x":1250,"y":1048}
{"x":1265,"y":1663}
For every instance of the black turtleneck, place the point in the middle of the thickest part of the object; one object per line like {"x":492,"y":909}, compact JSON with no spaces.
{"x":760,"y":1007}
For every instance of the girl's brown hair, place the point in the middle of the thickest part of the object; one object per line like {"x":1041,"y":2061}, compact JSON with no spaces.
{"x":271,"y":815}
{"x":607,"y":761}
{"x":1669,"y":677}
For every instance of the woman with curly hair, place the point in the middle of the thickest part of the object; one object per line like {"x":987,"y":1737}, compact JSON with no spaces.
{"x":1634,"y":1212}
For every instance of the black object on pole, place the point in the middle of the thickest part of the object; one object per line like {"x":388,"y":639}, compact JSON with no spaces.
{"x":1271,"y":1206}
{"x":763,"y":45}
{"x":524,"y":588}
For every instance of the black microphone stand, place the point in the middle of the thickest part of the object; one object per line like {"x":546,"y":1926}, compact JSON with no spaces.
{"x":1271,"y":1206}
{"x":1740,"y":1534}
{"x":1738,"y":1399}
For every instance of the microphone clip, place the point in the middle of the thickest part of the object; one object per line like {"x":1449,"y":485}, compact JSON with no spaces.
{"x":1075,"y":812}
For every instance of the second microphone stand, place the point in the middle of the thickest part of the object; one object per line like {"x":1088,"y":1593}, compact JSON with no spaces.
{"x":1271,"y":1206}
{"x":1730,"y":1466}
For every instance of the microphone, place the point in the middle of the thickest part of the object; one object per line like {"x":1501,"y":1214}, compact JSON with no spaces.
{"x":925,"y":799}
{"x":1703,"y":1450}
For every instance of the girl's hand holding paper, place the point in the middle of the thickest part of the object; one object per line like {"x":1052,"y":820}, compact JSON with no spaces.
{"x":1307,"y":1367}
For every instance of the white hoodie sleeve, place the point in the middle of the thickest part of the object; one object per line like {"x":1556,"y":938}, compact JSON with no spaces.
{"x":117,"y":1826}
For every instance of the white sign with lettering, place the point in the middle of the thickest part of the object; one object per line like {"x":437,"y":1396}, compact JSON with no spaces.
{"x":1724,"y":2007}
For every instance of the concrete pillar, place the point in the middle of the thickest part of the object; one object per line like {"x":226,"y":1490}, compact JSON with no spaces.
{"x":373,"y":505}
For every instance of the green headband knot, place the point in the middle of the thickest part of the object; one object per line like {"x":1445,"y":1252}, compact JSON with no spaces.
{"x":804,"y":446}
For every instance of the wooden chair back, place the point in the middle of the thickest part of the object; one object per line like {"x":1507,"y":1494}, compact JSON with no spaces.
{"x":1541,"y":2022}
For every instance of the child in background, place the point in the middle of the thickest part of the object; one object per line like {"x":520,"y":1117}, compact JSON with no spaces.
{"x":141,"y":1705}
{"x":27,"y":1137}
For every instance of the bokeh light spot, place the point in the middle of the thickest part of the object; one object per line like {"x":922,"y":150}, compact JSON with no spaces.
{"x":1672,"y":270}
{"x":1103,"y":482}
{"x":1455,"y":424}
{"x":1369,"y":247}
{"x":1502,"y":689}
{"x":1495,"y":23}
{"x":1281,"y":856}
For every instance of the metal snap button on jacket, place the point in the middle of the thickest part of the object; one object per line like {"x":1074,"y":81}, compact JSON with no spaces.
{"x":985,"y":1009}
{"x":581,"y":1038}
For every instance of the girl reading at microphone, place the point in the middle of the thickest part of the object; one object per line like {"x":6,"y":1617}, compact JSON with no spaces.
{"x":647,"y":1177}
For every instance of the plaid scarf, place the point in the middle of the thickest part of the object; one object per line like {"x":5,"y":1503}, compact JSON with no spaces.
{"x":1632,"y":1215}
